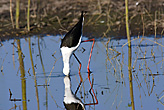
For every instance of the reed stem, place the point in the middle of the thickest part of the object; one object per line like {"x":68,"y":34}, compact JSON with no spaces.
{"x":17,"y":14}
{"x":28,"y":16}
{"x":129,"y":55}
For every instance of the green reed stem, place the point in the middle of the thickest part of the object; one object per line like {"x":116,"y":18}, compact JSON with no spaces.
{"x":129,"y":55}
{"x":28,"y":16}
{"x":17,"y":14}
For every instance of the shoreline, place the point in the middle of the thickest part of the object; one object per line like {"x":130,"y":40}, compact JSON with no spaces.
{"x":103,"y":19}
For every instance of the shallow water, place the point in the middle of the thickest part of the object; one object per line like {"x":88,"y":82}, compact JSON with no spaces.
{"x":109,"y":66}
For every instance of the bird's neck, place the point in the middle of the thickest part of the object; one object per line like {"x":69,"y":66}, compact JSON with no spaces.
{"x":66,"y":68}
{"x":66,"y":53}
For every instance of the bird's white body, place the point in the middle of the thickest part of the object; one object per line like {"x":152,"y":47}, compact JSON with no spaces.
{"x":66,"y":53}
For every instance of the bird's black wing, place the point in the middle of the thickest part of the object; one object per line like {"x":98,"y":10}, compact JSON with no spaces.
{"x":71,"y":39}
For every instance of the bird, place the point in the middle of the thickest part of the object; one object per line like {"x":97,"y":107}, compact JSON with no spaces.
{"x":70,"y":43}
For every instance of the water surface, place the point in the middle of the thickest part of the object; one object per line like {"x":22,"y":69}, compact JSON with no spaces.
{"x":109,"y":66}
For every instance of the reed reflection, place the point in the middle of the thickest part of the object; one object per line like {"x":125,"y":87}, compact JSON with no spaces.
{"x":23,"y":79}
{"x":41,"y":60}
{"x":35,"y":80}
{"x":130,"y":74}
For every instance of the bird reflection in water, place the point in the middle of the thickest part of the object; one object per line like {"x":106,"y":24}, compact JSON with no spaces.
{"x":71,"y":101}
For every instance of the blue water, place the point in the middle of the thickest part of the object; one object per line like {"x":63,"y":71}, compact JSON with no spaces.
{"x":110,"y":73}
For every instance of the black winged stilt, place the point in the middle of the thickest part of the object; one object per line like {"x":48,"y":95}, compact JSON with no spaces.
{"x":71,"y":42}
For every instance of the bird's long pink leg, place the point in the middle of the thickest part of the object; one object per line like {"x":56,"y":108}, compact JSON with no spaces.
{"x":90,"y":53}
{"x":89,"y":72}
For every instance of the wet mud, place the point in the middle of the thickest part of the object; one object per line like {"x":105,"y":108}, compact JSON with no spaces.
{"x":104,"y":18}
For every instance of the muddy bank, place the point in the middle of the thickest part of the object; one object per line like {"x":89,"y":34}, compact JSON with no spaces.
{"x":104,"y":18}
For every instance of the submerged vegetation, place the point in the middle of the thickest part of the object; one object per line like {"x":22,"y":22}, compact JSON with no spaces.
{"x":105,"y":18}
